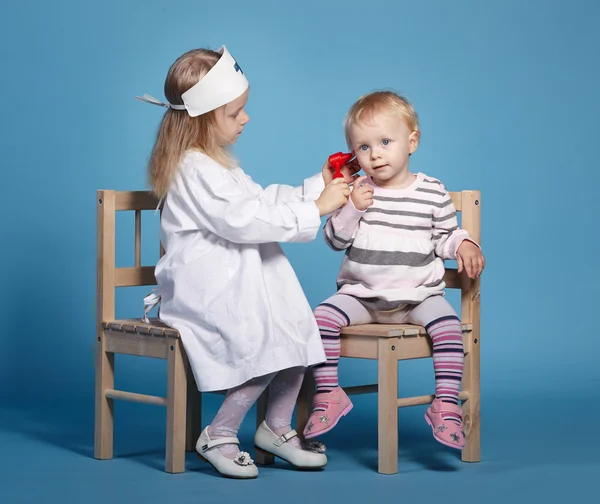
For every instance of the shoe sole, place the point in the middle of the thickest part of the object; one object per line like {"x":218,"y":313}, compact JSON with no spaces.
{"x":224,"y":475}
{"x":347,"y":410}
{"x":447,"y":443}
{"x":303,"y":468}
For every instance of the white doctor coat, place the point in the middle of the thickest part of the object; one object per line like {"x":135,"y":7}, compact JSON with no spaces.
{"x":225,"y":284}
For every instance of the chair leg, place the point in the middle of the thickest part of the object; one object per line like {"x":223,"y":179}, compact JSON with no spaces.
{"x":176,"y":407}
{"x":471,"y":409}
{"x":387,"y":399}
{"x":193,"y":426}
{"x":104,"y":419}
{"x":304,"y":402}
{"x":261,"y":413}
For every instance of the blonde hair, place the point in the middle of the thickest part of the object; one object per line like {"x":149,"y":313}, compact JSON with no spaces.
{"x":178,"y":132}
{"x":386,"y":102}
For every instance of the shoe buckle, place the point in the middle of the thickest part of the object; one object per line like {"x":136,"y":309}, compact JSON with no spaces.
{"x":284,"y":438}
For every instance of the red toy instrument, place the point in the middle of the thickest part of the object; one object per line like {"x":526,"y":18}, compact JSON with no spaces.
{"x":338,"y":160}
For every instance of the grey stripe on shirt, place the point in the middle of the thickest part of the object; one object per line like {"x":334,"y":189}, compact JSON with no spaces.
{"x":441,"y":204}
{"x":385,"y":258}
{"x":332,"y":245}
{"x":341,"y":240}
{"x":405,"y":213}
{"x":396,"y":226}
{"x":444,"y":218}
{"x":447,"y":234}
{"x":430,"y":191}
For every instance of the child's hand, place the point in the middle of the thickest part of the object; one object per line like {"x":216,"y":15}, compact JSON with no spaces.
{"x":333,"y":197}
{"x":362,"y":194}
{"x":469,"y":257}
{"x":349,"y":171}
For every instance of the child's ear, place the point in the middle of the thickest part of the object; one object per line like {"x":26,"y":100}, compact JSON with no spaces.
{"x":413,"y":141}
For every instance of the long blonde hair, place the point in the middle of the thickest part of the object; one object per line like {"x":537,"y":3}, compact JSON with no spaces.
{"x":178,"y":132}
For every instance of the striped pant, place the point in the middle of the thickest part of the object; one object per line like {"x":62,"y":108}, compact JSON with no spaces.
{"x":434,"y":313}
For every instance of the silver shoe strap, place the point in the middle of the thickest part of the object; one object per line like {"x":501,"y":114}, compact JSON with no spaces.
{"x":284,"y":438}
{"x":219,"y":442}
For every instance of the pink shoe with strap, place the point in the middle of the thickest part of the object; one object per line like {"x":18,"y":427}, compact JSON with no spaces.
{"x":337,"y":404}
{"x":446,"y":432}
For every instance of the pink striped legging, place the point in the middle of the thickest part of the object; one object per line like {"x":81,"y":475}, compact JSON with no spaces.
{"x":434,"y":313}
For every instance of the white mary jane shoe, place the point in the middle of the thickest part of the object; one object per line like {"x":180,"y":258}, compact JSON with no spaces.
{"x":242,"y":467}
{"x":266,"y":441}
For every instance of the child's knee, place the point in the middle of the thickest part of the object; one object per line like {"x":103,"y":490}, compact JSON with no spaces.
{"x":330,"y":317}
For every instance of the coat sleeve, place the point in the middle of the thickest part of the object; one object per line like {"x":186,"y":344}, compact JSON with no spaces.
{"x":218,"y":202}
{"x":310,"y":190}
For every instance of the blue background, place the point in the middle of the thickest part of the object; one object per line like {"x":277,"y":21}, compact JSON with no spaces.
{"x":507,"y":96}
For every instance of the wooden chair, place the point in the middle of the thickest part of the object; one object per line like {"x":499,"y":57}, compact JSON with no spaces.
{"x":131,"y":336}
{"x":389,"y":343}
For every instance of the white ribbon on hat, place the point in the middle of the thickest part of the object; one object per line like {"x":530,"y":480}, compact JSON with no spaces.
{"x":154,"y":101}
{"x":223,"y":83}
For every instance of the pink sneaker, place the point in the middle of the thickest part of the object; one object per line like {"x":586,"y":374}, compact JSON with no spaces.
{"x":320,"y":422}
{"x":447,"y":433}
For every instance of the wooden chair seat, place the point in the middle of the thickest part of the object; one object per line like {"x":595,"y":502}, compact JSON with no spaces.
{"x":390,"y":330}
{"x":361,"y":341}
{"x":136,"y":326}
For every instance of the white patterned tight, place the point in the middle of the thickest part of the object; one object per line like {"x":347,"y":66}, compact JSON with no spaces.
{"x":284,"y":387}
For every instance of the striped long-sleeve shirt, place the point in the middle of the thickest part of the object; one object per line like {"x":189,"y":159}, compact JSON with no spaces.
{"x":395,"y":250}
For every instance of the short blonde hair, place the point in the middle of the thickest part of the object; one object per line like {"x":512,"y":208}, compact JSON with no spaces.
{"x":178,"y":132}
{"x":386,"y":102}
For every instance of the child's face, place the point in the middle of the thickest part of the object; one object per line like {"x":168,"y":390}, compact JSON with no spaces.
{"x":382,"y":146}
{"x":231,"y":119}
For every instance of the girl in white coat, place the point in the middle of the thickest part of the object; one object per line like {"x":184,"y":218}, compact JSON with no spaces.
{"x":224,"y":282}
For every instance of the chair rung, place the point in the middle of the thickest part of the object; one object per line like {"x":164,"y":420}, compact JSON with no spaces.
{"x":426,"y":399}
{"x":361,"y":389}
{"x":133,"y":397}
